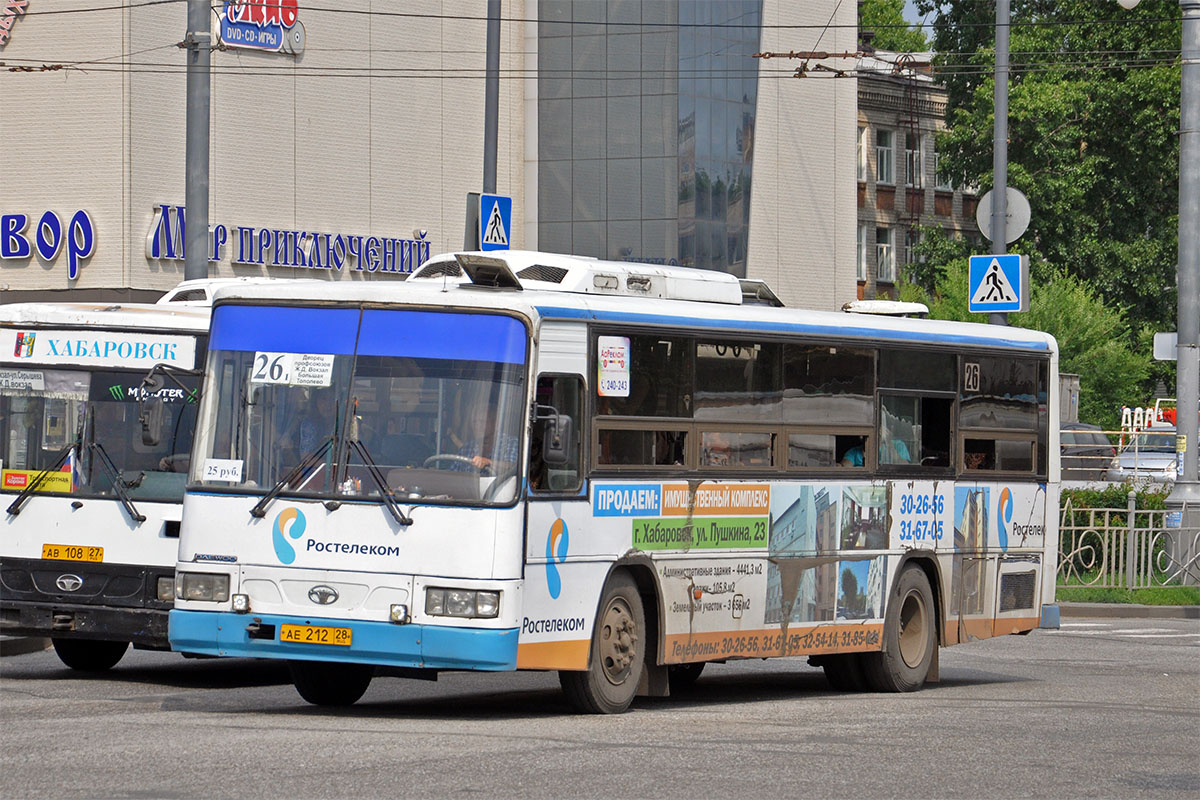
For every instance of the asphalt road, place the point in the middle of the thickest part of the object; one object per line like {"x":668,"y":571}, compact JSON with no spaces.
{"x":1101,"y":708}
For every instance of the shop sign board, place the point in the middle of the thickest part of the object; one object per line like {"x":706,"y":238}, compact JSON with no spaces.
{"x":247,"y":245}
{"x":271,"y":25}
{"x":48,"y":237}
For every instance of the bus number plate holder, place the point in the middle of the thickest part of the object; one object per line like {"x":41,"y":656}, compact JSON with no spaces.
{"x":72,"y":552}
{"x":315,"y":634}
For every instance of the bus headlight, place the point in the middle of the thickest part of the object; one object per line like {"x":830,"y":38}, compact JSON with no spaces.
{"x":165,"y":589}
{"x":466,"y":603}
{"x":207,"y":586}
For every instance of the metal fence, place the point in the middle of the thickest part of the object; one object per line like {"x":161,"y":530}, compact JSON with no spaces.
{"x":1126,"y":548}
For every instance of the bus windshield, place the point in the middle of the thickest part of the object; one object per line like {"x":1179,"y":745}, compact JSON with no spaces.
{"x":420,"y":405}
{"x":70,"y":420}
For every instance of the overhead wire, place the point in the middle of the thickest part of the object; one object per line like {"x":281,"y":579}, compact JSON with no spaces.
{"x":307,"y":9}
{"x":477,"y":73}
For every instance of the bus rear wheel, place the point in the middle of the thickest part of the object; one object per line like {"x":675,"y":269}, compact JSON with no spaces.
{"x":910,"y":637}
{"x":618,"y":653}
{"x":325,"y":683}
{"x":89,"y":655}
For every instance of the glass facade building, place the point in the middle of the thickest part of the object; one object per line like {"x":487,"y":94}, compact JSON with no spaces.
{"x":646,"y":118}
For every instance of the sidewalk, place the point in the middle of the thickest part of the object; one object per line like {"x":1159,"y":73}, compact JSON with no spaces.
{"x":1128,"y":610}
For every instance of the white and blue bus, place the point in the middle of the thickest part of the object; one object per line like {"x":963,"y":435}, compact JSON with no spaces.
{"x":617,"y":471}
{"x":91,"y":512}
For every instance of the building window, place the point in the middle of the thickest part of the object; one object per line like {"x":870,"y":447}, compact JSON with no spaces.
{"x":912,"y":160}
{"x":885,"y":256}
{"x":862,"y":153}
{"x":861,"y":270}
{"x":941,"y":180}
{"x":912,"y":238}
{"x":885,"y":168}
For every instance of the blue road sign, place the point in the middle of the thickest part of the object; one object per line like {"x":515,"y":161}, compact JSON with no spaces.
{"x":998,"y":284}
{"x":495,"y":222}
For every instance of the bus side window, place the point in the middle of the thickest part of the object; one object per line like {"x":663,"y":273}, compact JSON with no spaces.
{"x":559,"y":400}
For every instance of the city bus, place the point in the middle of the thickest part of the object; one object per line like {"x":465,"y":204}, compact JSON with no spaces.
{"x":91,"y":512}
{"x":619,"y":472}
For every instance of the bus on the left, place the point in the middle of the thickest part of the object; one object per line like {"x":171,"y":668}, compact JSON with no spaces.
{"x":90,"y":511}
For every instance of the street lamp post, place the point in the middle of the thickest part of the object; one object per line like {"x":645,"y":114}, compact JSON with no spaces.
{"x":199,"y":56}
{"x":1185,"y":497}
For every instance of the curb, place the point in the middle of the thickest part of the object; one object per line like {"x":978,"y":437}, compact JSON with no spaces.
{"x":1129,"y":610}
{"x":20,"y":645}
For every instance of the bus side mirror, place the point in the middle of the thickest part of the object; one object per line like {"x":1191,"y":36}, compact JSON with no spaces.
{"x":557,"y":442}
{"x":556,"y":434}
{"x":151,"y":410}
{"x":151,"y":413}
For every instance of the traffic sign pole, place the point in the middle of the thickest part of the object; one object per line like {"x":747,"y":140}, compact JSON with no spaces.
{"x":1000,"y":144}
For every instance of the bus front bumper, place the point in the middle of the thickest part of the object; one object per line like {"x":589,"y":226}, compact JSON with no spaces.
{"x":146,"y":628}
{"x":221,"y":633}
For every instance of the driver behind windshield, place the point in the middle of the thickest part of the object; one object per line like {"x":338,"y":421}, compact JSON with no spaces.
{"x":479,"y":437}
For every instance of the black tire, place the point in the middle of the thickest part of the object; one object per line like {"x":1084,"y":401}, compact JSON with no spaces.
{"x":682,"y":677}
{"x":325,"y":683}
{"x":89,"y":655}
{"x":618,"y":653}
{"x":910,"y":636}
{"x":844,"y":672}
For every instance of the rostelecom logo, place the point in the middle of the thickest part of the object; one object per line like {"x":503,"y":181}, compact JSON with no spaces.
{"x":556,"y":553}
{"x":1004,"y":516}
{"x":289,"y":524}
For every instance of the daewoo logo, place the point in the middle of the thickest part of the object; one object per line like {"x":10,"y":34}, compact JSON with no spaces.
{"x":69,"y":582}
{"x":556,"y":553}
{"x":323,"y":595}
{"x":1004,"y":515}
{"x":289,"y":524}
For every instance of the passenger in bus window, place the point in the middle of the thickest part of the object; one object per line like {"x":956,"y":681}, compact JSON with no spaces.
{"x":978,"y":454}
{"x":715,"y":449}
{"x":894,"y":451}
{"x":311,"y":422}
{"x":399,"y":448}
{"x":668,"y":448}
{"x":854,"y":456}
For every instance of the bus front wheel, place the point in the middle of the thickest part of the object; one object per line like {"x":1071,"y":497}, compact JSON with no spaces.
{"x":910,"y":637}
{"x":618,"y":653}
{"x":330,"y":684}
{"x":89,"y":655}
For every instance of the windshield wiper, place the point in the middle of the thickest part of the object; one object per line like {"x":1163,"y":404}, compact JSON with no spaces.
{"x":260,"y":510}
{"x":389,"y":498}
{"x":15,"y":507}
{"x":118,"y":483}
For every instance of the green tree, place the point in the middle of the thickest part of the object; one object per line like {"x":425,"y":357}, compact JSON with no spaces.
{"x":1094,"y":339}
{"x":1093,"y":121}
{"x":886,"y":19}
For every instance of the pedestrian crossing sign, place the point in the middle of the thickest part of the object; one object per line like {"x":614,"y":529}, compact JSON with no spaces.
{"x":495,"y":222}
{"x":998,"y":284}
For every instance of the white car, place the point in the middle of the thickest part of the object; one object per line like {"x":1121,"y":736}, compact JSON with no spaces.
{"x":1148,"y":456}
